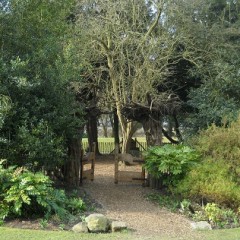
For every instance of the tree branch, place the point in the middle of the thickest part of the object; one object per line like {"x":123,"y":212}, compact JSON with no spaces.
{"x":179,"y":135}
{"x":102,"y":44}
{"x":169,"y":138}
{"x":150,"y":30}
{"x":154,"y":25}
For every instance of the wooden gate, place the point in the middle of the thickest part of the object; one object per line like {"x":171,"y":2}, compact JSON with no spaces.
{"x":88,"y":165}
{"x":126,"y":175}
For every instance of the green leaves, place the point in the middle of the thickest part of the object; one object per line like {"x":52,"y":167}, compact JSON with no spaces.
{"x":40,"y":113}
{"x":170,"y":162}
{"x":24,"y":193}
{"x":217,"y":177}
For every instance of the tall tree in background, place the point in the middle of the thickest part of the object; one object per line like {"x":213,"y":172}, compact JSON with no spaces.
{"x":217,"y":98}
{"x":38,"y":71}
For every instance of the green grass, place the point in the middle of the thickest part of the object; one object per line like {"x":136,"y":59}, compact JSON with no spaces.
{"x":23,"y":234}
{"x":106,"y":145}
{"x":26,"y":234}
{"x":223,"y":234}
{"x":109,"y":139}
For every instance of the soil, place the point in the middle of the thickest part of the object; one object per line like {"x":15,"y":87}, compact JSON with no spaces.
{"x":125,"y":202}
{"x":128,"y":202}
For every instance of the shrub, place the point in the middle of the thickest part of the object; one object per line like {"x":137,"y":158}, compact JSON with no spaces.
{"x":222,"y":143}
{"x":41,"y":147}
{"x":24,"y":193}
{"x":212,"y":182}
{"x":217,"y":178}
{"x":170,"y":162}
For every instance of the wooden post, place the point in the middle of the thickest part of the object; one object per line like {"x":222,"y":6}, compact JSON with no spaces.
{"x":93,"y":161}
{"x":116,"y":128}
{"x":81,"y":167}
{"x":116,"y":164}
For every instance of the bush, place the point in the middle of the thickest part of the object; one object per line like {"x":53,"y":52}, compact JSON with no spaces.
{"x":211,"y":182}
{"x":27,"y":194}
{"x":217,"y":179}
{"x":41,"y":147}
{"x":170,"y":163}
{"x":222,"y":143}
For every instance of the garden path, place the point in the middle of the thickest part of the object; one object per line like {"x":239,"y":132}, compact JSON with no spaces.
{"x":127,"y":202}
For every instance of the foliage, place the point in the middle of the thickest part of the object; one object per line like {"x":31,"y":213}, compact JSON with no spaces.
{"x":170,"y":162}
{"x":27,"y":194}
{"x":212,"y":182}
{"x":222,"y":143}
{"x":43,"y":223}
{"x":75,"y":205}
{"x":216,"y":179}
{"x":220,"y":217}
{"x":41,"y":146}
{"x":37,"y":70}
{"x":217,"y":96}
{"x":135,"y":45}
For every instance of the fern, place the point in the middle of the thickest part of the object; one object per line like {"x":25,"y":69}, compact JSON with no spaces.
{"x":24,"y":193}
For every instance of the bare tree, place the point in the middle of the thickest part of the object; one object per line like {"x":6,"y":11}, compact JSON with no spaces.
{"x":137,"y":43}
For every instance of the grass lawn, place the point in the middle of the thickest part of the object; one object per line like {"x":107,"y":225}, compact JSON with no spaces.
{"x":22,"y":234}
{"x":223,"y":234}
{"x":25,"y":234}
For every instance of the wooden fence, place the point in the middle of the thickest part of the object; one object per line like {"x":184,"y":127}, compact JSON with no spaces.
{"x":106,"y":145}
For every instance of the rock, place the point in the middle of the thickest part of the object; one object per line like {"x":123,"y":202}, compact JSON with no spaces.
{"x":117,"y":226}
{"x":97,"y":223}
{"x":80,"y":228}
{"x":202,"y":225}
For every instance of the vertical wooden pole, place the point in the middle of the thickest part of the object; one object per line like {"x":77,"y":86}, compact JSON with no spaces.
{"x":116,"y":164}
{"x":81,"y":167}
{"x":116,"y":128}
{"x":143,"y":176}
{"x":93,"y":161}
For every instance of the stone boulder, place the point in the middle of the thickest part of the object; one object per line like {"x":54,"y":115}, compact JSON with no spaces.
{"x":80,"y":228}
{"x":117,"y":226}
{"x":97,"y":223}
{"x":202,"y":225}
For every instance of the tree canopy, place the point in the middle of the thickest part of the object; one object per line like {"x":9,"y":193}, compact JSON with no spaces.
{"x":62,"y":63}
{"x":37,"y":73}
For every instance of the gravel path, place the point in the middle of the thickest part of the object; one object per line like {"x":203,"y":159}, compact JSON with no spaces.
{"x":127,"y":202}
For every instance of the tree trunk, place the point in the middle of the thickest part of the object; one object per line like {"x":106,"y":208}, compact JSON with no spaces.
{"x":170,"y":127}
{"x":104,"y":123}
{"x":178,"y":133}
{"x":72,"y":165}
{"x":105,"y":131}
{"x":92,"y":132}
{"x":126,"y":126}
{"x":127,"y":134}
{"x":153,"y":131}
{"x":111,"y":118}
